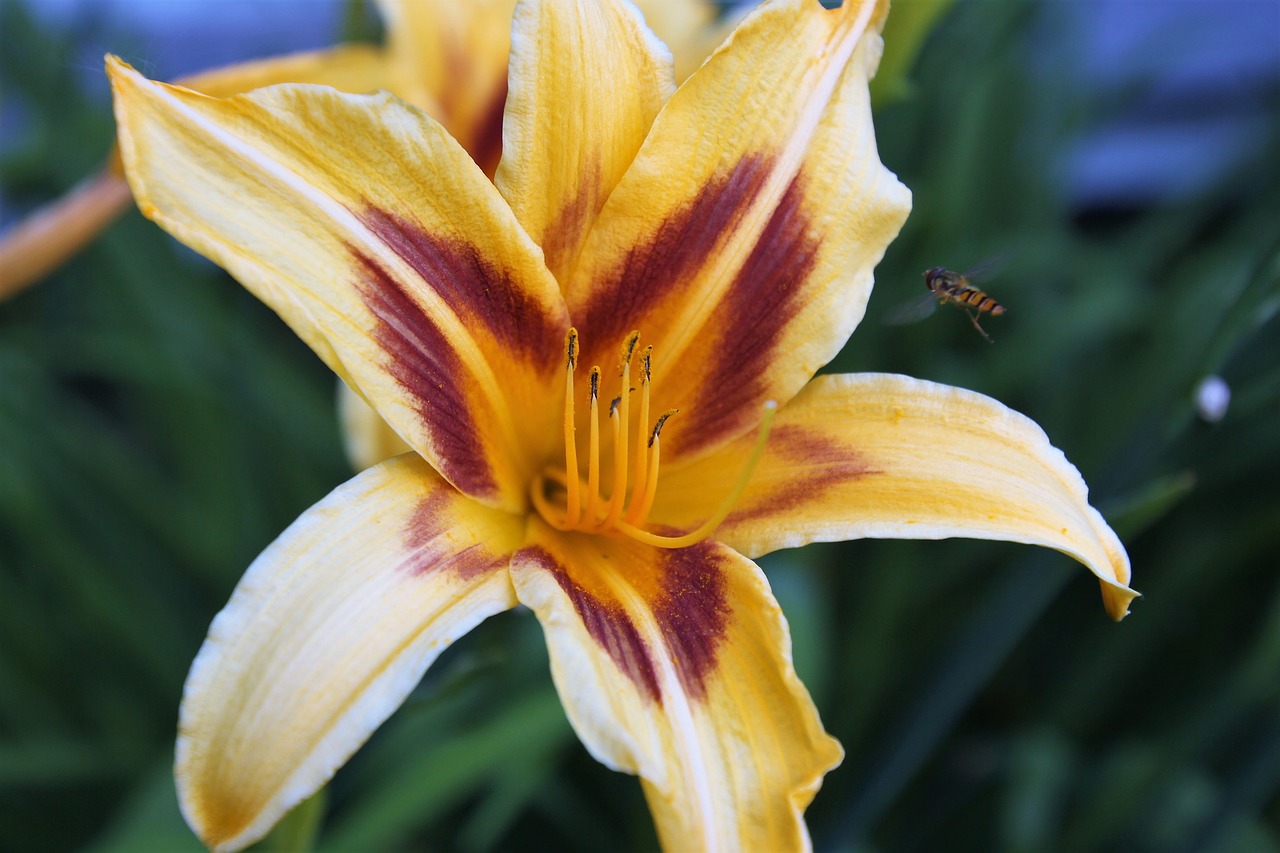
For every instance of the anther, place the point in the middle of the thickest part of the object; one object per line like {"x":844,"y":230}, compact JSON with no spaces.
{"x":627,"y":349}
{"x":657,"y":427}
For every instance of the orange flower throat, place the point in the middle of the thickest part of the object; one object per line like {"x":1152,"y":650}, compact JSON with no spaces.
{"x":566,"y":503}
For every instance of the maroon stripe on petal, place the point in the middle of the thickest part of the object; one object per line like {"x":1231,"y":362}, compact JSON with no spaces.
{"x":565,"y":231}
{"x":606,"y":622}
{"x":422,"y":360}
{"x":820,"y":465}
{"x":432,"y":550}
{"x":485,"y":146}
{"x":766,"y":295}
{"x":481,"y":293}
{"x":693,"y":612}
{"x":680,"y":247}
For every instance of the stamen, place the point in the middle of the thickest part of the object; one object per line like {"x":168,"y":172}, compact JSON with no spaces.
{"x":617,"y":426}
{"x":621,"y":406}
{"x":573,"y":497}
{"x":657,"y":428}
{"x":649,"y":473}
{"x":593,"y":450}
{"x":726,"y":506}
{"x":641,"y":448}
{"x":628,"y":348}
{"x":635,"y":471}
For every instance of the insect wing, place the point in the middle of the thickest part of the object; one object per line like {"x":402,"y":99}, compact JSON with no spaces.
{"x":912,"y":311}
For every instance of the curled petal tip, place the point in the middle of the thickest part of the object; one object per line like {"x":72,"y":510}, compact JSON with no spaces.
{"x":1117,"y":599}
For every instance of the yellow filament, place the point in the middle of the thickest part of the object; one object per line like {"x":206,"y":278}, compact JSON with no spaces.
{"x":593,"y":514}
{"x":640,"y":507}
{"x":593,"y":449}
{"x":592,"y":523}
{"x":642,"y":448}
{"x":622,"y":409}
{"x":573,"y":489}
{"x":709,"y":526}
{"x":619,"y":472}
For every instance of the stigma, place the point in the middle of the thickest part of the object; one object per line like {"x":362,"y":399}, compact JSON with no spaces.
{"x":573,"y":499}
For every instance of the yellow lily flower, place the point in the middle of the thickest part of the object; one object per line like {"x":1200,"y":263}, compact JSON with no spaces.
{"x":449,"y":58}
{"x":735,"y":222}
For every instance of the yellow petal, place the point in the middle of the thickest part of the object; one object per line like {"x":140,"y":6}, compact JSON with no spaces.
{"x":327,"y":632}
{"x":453,"y":55}
{"x":366,"y":227}
{"x":352,"y":68}
{"x":741,"y":241}
{"x":49,"y":237}
{"x":884,"y":456}
{"x":587,"y":78}
{"x":676,"y":666}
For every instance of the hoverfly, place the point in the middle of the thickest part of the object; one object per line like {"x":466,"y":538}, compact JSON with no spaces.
{"x":946,"y":285}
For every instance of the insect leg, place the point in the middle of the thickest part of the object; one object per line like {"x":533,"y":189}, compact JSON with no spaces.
{"x":973,"y":318}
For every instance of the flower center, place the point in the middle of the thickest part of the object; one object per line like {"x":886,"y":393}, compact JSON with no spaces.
{"x":567,"y":503}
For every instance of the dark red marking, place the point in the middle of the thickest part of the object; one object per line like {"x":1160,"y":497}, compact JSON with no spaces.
{"x":764,"y":298}
{"x":423,"y":362}
{"x":485,"y":144}
{"x":765,"y":295}
{"x":693,"y":612}
{"x":474,"y":288}
{"x":431,"y":552}
{"x":606,"y":622}
{"x":680,"y":247}
{"x":820,"y":465}
{"x":563,"y":236}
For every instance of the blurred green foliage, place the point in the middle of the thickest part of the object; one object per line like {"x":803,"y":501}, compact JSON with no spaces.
{"x":158,"y":427}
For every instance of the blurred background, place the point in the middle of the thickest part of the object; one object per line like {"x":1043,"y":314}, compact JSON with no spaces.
{"x":1112,"y":164}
